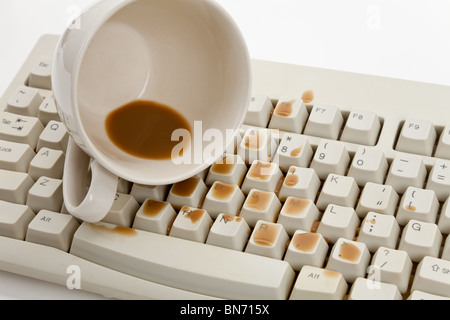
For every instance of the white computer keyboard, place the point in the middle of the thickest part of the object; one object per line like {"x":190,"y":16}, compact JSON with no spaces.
{"x":338,"y":189}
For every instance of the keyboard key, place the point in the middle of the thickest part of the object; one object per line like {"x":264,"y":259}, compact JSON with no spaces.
{"x":379,"y":230}
{"x":324,"y":121}
{"x":263,"y":176}
{"x":188,"y":192}
{"x":289,"y":115}
{"x":19,"y":128}
{"x":257,"y":144}
{"x":25,"y":101}
{"x":340,"y":190}
{"x":229,"y":232}
{"x":260,"y":205}
{"x":330,"y":157}
{"x":154,"y":216}
{"x":256,"y":277}
{"x":392,"y":266}
{"x":191,"y":224}
{"x":46,"y":194}
{"x":298,"y":214}
{"x":420,"y":295}
{"x":47,"y":111}
{"x":432,"y":276}
{"x":294,"y":150}
{"x":300,"y":182}
{"x":54,"y":136}
{"x":365,"y":289}
{"x":40,"y":75}
{"x":259,"y":110}
{"x":368,"y":165}
{"x":417,"y":204}
{"x":52,"y":229}
{"x":417,"y":136}
{"x":446,"y":250}
{"x":362,"y":127}
{"x":319,"y":284}
{"x":143,"y":192}
{"x":444,"y":217}
{"x":14,"y":220}
{"x":268,"y":239}
{"x":439,"y":179}
{"x":338,"y":222}
{"x":443,"y":147}
{"x":379,"y":198}
{"x":122,"y":211}
{"x":350,"y":258}
{"x":306,"y":248}
{"x":223,"y":198}
{"x":229,"y":169}
{"x":47,"y":162}
{"x":406,"y":170}
{"x":15,"y":156}
{"x":420,"y":239}
{"x":14,"y":186}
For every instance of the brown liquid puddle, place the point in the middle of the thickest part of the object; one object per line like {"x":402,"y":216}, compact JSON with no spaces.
{"x":266,"y":234}
{"x":284,"y":109}
{"x":305,"y":242}
{"x":195,"y":215}
{"x":252,"y":141}
{"x":185,"y":188}
{"x":228,"y":218}
{"x":144,"y":129}
{"x":308,"y":96}
{"x":258,"y":200}
{"x":124,"y":231}
{"x":296,"y":152}
{"x":152,"y":208}
{"x":350,"y":252}
{"x":411,"y":208}
{"x":291,"y":180}
{"x":295,"y":206}
{"x":260,"y":170}
{"x":222,"y":191}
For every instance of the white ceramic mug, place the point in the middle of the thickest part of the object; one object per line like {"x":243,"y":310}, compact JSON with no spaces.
{"x":188,"y":54}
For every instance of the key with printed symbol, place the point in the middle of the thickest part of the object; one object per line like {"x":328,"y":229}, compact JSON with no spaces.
{"x":379,"y":230}
{"x":315,"y":283}
{"x":444,"y":217}
{"x":306,"y":248}
{"x":338,"y":222}
{"x":25,"y":101}
{"x":191,"y":224}
{"x":378,"y":198}
{"x":420,"y":239}
{"x":154,"y":216}
{"x":406,"y":170}
{"x":439,"y":179}
{"x":368,"y":165}
{"x":324,"y":121}
{"x":47,"y":162}
{"x":52,"y":229}
{"x":142,"y":192}
{"x":259,"y":111}
{"x":229,"y":232}
{"x":417,"y":136}
{"x":366,"y":289}
{"x":289,"y":115}
{"x":257,"y":144}
{"x":268,"y":239}
{"x":46,"y":194}
{"x":262,"y":175}
{"x":47,"y":111}
{"x":229,"y":169}
{"x":300,"y":182}
{"x":298,"y":214}
{"x":260,"y":205}
{"x":14,"y":219}
{"x":122,"y":211}
{"x":418,"y":204}
{"x":350,"y":258}
{"x":40,"y":75}
{"x":294,"y":150}
{"x":54,"y":136}
{"x":19,"y":128}
{"x":340,"y":190}
{"x":443,"y":147}
{"x":330,"y":157}
{"x":15,"y":156}
{"x":392,"y":266}
{"x":223,"y":198}
{"x":432,"y":276}
{"x":362,"y":127}
{"x":14,"y":186}
{"x":188,"y":192}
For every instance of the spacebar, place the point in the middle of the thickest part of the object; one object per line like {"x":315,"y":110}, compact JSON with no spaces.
{"x":183,"y":264}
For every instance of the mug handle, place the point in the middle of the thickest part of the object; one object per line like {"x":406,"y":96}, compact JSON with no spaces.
{"x":96,"y":203}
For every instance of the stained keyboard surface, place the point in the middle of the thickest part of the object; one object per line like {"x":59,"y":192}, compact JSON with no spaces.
{"x":337,"y":188}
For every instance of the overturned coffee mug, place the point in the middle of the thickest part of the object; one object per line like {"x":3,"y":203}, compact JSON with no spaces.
{"x":132,"y":73}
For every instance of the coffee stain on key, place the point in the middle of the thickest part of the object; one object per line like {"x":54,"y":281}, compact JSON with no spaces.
{"x":284,"y":109}
{"x":350,"y":252}
{"x":118,"y":230}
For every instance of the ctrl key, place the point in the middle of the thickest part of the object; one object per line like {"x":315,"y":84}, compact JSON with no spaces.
{"x":319,"y":284}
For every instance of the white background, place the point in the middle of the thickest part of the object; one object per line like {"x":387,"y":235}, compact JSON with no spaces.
{"x":407,"y":39}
